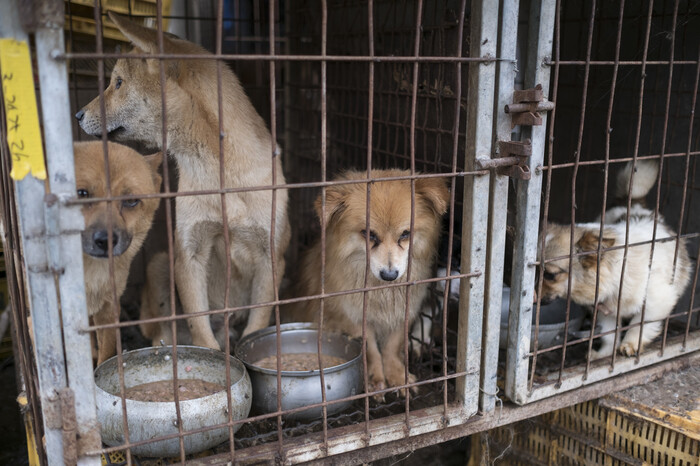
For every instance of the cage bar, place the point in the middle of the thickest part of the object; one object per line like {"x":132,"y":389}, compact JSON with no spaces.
{"x":541,"y":29}
{"x":498,"y":207}
{"x":65,"y":246}
{"x":396,"y":84}
{"x":484,"y":33}
{"x":41,"y":292}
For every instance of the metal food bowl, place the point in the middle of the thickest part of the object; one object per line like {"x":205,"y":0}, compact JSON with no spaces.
{"x":552,"y":322}
{"x":148,"y":420}
{"x":301,"y":388}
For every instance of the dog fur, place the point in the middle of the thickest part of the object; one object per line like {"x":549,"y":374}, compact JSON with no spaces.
{"x":155,"y":302}
{"x":134,"y":116}
{"x":389,"y":235}
{"x":129,"y":174}
{"x":657,"y":288}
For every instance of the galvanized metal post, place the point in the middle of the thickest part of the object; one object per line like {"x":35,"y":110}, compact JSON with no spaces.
{"x":506,"y":70}
{"x":537,"y":71}
{"x":41,"y":293}
{"x":64,"y":244}
{"x":484,"y":35}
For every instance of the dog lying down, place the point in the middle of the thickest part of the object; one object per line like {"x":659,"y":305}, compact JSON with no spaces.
{"x":656,"y":287}
{"x":130,"y":174}
{"x":389,"y":234}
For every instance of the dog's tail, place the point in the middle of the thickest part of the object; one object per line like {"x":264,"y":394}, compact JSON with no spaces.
{"x":645,"y":174}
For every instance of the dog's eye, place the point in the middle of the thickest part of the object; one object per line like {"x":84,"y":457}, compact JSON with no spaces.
{"x":372,"y":236}
{"x":118,"y":84}
{"x":82,"y":193}
{"x":550,"y":275}
{"x":130,"y":203}
{"x":405,"y":235}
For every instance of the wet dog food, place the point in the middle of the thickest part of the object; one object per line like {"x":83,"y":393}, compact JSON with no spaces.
{"x":299,"y":362}
{"x":162,"y":390}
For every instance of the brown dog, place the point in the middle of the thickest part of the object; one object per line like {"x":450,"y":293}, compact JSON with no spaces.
{"x":389,"y":234}
{"x":130,"y":175}
{"x":134,"y":116}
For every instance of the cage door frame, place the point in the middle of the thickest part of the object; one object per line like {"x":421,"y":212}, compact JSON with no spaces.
{"x":480,"y":113}
{"x":528,"y":193}
{"x":520,"y":387}
{"x":50,"y":235}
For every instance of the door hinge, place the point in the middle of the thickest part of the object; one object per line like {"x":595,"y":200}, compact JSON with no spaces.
{"x":69,"y":426}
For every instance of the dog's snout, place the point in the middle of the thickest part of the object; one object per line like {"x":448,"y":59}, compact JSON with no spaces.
{"x":101,"y":239}
{"x":389,"y":275}
{"x":79,"y":116}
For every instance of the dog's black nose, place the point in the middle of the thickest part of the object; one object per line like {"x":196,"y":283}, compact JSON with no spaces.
{"x":101,"y":239}
{"x":389,"y":275}
{"x":79,"y":116}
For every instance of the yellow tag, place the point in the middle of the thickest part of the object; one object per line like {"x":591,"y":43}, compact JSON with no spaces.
{"x":23,"y":133}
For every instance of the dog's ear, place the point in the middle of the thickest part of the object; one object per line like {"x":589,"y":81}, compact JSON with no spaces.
{"x":147,"y":40}
{"x":335,"y":203}
{"x":155,"y":161}
{"x":589,"y":242}
{"x":435,"y":193}
{"x":142,"y":37}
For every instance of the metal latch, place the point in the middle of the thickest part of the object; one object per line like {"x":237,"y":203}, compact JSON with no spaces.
{"x":527,"y":105}
{"x":512,"y":161}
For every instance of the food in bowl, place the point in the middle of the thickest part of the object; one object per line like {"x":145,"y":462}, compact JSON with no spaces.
{"x":302,"y":386}
{"x":299,"y":362}
{"x":162,"y":390}
{"x":148,"y":420}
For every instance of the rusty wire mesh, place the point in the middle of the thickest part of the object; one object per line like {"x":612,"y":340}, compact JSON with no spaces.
{"x":626,"y":85}
{"x":317,"y":109}
{"x":275,"y":48}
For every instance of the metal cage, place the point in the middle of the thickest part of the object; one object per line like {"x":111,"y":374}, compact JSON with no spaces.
{"x":524,"y":109}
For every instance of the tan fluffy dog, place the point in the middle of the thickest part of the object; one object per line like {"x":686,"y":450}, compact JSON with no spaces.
{"x":657,"y":288}
{"x":389,"y":234}
{"x":134,"y":116}
{"x":130,"y":174}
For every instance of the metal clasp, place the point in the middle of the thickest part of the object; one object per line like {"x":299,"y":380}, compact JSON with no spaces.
{"x":512,"y":161}
{"x":527,"y":106}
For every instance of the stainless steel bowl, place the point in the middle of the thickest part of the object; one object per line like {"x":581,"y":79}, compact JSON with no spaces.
{"x":552,"y":322}
{"x":148,"y":420}
{"x":301,"y":388}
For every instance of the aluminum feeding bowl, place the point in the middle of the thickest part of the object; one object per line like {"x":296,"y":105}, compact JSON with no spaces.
{"x":151,"y":419}
{"x":552,"y":322}
{"x":301,"y":388}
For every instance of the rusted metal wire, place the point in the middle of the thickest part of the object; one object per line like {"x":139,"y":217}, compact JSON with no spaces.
{"x":386,"y":92}
{"x":276,"y":58}
{"x":110,"y":221}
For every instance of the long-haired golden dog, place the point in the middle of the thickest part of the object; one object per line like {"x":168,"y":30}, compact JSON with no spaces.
{"x":656,"y":287}
{"x":389,"y":235}
{"x":130,"y":174}
{"x":134,"y":116}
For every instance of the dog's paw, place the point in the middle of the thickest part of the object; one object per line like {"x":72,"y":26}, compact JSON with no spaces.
{"x":377,"y":382}
{"x":605,"y":309}
{"x":376,"y":385}
{"x":628,"y":348}
{"x":399,"y":379}
{"x":414,"y":389}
